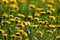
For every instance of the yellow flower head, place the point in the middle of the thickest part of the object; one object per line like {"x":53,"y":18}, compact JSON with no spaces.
{"x":52,"y":26}
{"x":57,"y":26}
{"x":20,"y":22}
{"x":5,"y":35}
{"x":49,"y":6}
{"x":40,"y":33}
{"x":14,"y":1}
{"x":42,"y":22}
{"x":13,"y":20}
{"x":28,"y":23}
{"x":58,"y":0}
{"x":11,"y":16}
{"x":24,"y":23}
{"x":30,"y":16}
{"x":58,"y":37}
{"x":4,"y":15}
{"x":13,"y":36}
{"x":32,"y":6}
{"x":5,"y":22}
{"x":52,"y":9}
{"x":16,"y":8}
{"x":21,"y":15}
{"x":20,"y":31}
{"x":13,"y":11}
{"x":21,"y":25}
{"x":17,"y":35}
{"x":5,"y":1}
{"x":42,"y":13}
{"x":45,"y":22}
{"x":1,"y":31}
{"x":49,"y":12}
{"x":36,"y":18}
{"x":49,"y":31}
{"x":13,"y":5}
{"x":17,"y":18}
{"x":52,"y":1}
{"x":25,"y":34}
{"x":39,"y":9}
{"x":36,"y":14}
{"x":52,"y":17}
{"x":34,"y":26}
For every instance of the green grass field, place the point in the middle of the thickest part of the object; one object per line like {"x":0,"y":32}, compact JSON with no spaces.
{"x":29,"y":19}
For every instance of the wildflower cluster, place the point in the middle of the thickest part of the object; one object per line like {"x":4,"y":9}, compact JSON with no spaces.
{"x":29,"y":19}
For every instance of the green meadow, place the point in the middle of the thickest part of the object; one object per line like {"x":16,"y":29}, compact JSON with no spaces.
{"x":29,"y":19}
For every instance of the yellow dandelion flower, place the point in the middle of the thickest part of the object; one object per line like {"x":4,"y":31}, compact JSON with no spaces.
{"x":28,"y":23}
{"x":17,"y":35}
{"x":19,"y":22}
{"x":20,"y":31}
{"x":42,"y":22}
{"x":57,"y":26}
{"x":16,"y":21}
{"x":34,"y":26}
{"x":36,"y":14}
{"x":25,"y":23}
{"x":21,"y":15}
{"x":13,"y":20}
{"x":36,"y":18}
{"x":39,"y":9}
{"x":1,"y":31}
{"x":52,"y":1}
{"x":5,"y":1}
{"x":40,"y":33}
{"x":52,"y":9}
{"x":21,"y":25}
{"x":5,"y":22}
{"x":52,"y":26}
{"x":45,"y":22}
{"x":5,"y":35}
{"x":11,"y":16}
{"x":58,"y":0}
{"x":13,"y":5}
{"x":52,"y":17}
{"x":58,"y":37}
{"x":4,"y":15}
{"x":14,"y":1}
{"x":17,"y":18}
{"x":25,"y":34}
{"x":30,"y":16}
{"x":49,"y":31}
{"x":42,"y":13}
{"x":12,"y":11}
{"x":32,"y":6}
{"x":49,"y":12}
{"x":49,"y":5}
{"x":13,"y":36}
{"x":39,"y":19}
{"x":16,"y":8}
